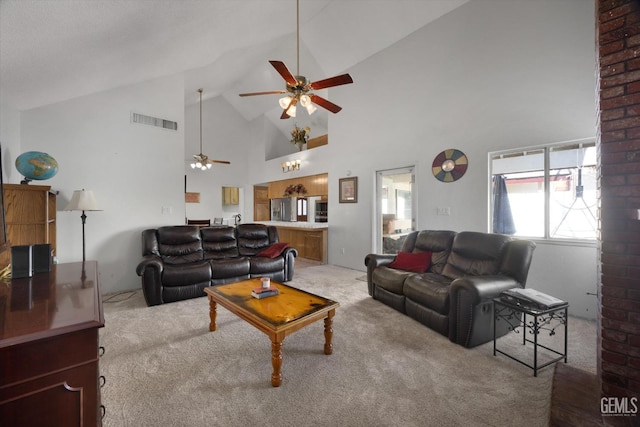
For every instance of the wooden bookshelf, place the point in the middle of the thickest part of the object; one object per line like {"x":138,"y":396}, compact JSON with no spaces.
{"x":30,"y":216}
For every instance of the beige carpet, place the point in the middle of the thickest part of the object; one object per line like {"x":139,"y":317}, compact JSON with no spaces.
{"x":164,"y":368}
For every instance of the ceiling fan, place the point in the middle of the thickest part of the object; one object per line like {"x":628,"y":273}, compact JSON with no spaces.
{"x":298,"y":88}
{"x":202,"y":161}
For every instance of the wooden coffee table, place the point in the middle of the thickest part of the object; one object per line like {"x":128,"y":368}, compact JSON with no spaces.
{"x":277,"y":316}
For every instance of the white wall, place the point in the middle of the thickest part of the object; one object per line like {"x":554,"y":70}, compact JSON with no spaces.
{"x":10,"y":140}
{"x":134,"y":171}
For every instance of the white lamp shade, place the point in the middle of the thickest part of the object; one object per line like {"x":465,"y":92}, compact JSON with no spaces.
{"x":305,"y":100}
{"x":311,"y":109}
{"x":284,"y":101}
{"x":82,"y":200}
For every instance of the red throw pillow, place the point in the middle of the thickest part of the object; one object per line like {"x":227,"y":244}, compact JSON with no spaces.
{"x":274,"y":250}
{"x":418,"y":262}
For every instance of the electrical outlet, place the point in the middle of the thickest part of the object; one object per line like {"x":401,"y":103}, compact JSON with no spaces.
{"x":343,"y":251}
{"x":167,"y":210}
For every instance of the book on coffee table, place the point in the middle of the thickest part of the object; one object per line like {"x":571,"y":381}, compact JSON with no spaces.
{"x":264,"y":292}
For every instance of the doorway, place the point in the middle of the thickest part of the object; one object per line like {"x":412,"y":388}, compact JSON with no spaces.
{"x":395,"y":208}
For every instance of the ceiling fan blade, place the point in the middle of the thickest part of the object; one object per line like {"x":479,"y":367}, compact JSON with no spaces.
{"x":224,"y":162}
{"x":284,"y":72}
{"x":325,"y":103}
{"x":270,"y":92}
{"x":284,"y":115}
{"x":342,"y":79}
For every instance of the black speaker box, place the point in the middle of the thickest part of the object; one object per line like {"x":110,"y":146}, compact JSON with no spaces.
{"x":41,"y":258}
{"x":21,"y":261}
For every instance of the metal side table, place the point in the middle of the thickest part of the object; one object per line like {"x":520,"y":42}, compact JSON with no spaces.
{"x":540,"y":320}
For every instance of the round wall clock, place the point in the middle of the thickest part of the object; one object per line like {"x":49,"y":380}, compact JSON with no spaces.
{"x":449,"y":165}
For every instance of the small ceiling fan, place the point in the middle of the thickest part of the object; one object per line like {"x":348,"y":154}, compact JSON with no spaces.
{"x":298,"y":88}
{"x":202,"y":161}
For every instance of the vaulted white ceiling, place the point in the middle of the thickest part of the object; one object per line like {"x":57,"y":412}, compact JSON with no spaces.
{"x":51,"y":51}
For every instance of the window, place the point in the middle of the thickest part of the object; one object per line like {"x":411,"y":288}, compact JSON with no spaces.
{"x":302,"y":209}
{"x":545,"y":192}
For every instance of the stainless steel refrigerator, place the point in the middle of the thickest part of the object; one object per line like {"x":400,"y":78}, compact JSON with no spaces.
{"x":284,"y":209}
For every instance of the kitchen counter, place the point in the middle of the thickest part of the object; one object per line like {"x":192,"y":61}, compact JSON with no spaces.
{"x":309,"y":238}
{"x":296,"y":224}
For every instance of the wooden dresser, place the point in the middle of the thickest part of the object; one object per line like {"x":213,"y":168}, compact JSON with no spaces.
{"x":49,"y":350}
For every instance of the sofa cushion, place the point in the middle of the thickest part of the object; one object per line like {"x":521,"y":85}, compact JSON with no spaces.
{"x":262,"y":265}
{"x":229,"y":267}
{"x":417,"y":262}
{"x":186,"y":274}
{"x":429,"y":290}
{"x":274,"y":250}
{"x":252,"y":238}
{"x":179,"y":244}
{"x":438,"y":242}
{"x":475,"y":254}
{"x":390,"y":279}
{"x":219,"y":242}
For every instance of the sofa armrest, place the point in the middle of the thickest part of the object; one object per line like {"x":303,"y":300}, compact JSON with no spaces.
{"x":150,"y":270}
{"x":470,"y":309}
{"x":289,"y":255}
{"x":150,"y":261}
{"x":481,"y":288}
{"x":378,"y":260}
{"x":373,"y":261}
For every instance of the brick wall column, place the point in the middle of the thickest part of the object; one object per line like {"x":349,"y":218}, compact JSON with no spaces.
{"x":618,"y":44}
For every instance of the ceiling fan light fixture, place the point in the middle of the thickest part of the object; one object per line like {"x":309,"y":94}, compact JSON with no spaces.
{"x":305,"y":100}
{"x":299,"y":87}
{"x":284,"y":101}
{"x":311,"y":109}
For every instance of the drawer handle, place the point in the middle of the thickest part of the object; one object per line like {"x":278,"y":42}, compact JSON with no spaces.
{"x":103,"y":381}
{"x":103,"y":409}
{"x":101,"y":351}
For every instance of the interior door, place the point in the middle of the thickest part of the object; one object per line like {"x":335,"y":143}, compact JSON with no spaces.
{"x":395,"y":208}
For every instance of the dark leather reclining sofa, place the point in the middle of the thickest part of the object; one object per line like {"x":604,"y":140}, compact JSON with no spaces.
{"x":180,"y":261}
{"x":454,"y":295}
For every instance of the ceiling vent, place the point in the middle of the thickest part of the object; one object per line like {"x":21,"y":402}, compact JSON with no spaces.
{"x":153,"y":121}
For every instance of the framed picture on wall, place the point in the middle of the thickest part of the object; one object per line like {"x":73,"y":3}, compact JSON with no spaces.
{"x":348,"y":190}
{"x":192,"y":197}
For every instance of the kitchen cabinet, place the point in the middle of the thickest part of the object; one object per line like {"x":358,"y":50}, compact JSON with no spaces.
{"x":230,"y":195}
{"x":316,"y":185}
{"x":315,"y":243}
{"x":311,"y":243}
{"x":261,"y":204}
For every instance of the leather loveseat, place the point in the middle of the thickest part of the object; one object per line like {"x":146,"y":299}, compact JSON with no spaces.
{"x":178,"y":262}
{"x":464,"y":271}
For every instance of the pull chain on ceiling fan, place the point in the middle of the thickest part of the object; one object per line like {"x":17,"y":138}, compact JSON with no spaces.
{"x":298,"y":88}
{"x":201,"y":161}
